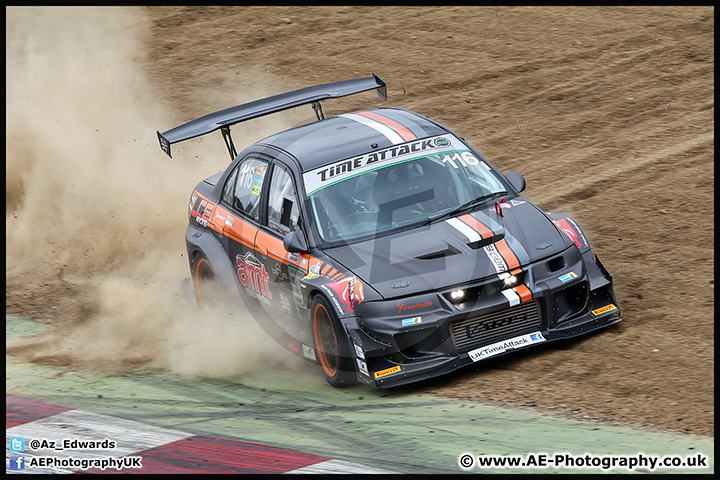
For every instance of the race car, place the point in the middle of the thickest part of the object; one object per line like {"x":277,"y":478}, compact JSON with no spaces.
{"x":382,"y":246}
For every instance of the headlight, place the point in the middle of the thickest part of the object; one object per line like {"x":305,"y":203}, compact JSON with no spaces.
{"x":457,"y":295}
{"x":510,"y":281}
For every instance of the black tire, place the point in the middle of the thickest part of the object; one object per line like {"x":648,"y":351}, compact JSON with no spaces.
{"x":332,"y":345}
{"x":207,"y":288}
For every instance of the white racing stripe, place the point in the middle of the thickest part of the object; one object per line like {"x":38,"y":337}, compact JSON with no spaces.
{"x":512,"y":296}
{"x":463,"y":228}
{"x":391,"y":134}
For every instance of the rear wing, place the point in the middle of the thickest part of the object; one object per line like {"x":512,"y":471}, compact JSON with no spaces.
{"x":230,"y":116}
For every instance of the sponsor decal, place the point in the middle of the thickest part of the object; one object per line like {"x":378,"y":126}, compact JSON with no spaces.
{"x":351,"y":292}
{"x":386,"y":372}
{"x":501,"y":347}
{"x":362,"y":367}
{"x":280,"y":276}
{"x":567,"y":276}
{"x":329,"y":174}
{"x":252,"y":274}
{"x":359,"y":352}
{"x":333,"y":297}
{"x":513,"y":203}
{"x":605,"y":309}
{"x":495,"y":258}
{"x":229,"y":220}
{"x":314,"y":271}
{"x":572,"y":232}
{"x":411,"y":321}
{"x":308,"y":352}
{"x":402,"y":307}
{"x":478,"y":328}
{"x":292,"y":346}
{"x":285,"y":302}
{"x":201,"y":209}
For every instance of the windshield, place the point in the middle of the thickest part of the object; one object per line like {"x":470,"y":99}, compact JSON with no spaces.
{"x":380,"y":192}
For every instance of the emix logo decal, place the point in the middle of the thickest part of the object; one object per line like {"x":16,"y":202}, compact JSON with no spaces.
{"x":252,"y":274}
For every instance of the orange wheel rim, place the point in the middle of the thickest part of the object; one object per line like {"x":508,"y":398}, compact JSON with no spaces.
{"x":200,"y":278}
{"x":325,"y":340}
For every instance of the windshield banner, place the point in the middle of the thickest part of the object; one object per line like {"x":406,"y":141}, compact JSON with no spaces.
{"x":327,"y":175}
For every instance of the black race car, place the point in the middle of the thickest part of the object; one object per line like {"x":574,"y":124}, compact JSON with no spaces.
{"x":382,"y":246}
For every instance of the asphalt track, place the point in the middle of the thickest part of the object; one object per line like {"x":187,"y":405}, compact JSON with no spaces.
{"x":278,"y":422}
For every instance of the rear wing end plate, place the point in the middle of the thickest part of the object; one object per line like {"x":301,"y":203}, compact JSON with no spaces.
{"x":223,"y":119}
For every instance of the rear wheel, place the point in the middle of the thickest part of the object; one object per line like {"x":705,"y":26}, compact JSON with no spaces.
{"x":331,"y":345}
{"x":207,"y":288}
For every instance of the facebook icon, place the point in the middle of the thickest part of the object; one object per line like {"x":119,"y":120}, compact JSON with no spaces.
{"x":17,"y":462}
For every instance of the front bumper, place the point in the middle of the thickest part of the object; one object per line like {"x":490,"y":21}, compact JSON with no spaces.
{"x":409,"y":339}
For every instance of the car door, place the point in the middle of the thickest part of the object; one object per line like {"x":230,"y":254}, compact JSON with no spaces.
{"x":242,"y":200}
{"x":285,"y":269}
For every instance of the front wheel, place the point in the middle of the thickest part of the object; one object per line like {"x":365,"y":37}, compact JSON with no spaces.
{"x":331,"y":345}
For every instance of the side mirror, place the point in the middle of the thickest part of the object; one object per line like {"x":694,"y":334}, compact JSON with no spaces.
{"x":295,"y":242}
{"x":517,"y":180}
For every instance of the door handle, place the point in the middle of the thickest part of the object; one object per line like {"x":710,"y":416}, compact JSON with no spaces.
{"x":261,"y":250}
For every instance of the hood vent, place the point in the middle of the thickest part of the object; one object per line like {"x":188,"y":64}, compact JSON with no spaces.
{"x":448,"y":251}
{"x":486,"y":241}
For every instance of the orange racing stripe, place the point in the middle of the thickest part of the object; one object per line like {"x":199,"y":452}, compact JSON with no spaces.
{"x":406,"y":134}
{"x":476,"y":225}
{"x":507,"y":254}
{"x":524,"y":292}
{"x":276,"y":250}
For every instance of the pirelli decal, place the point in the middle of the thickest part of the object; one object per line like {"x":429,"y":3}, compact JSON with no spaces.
{"x":327,"y":175}
{"x":605,"y":309}
{"x":389,"y":371}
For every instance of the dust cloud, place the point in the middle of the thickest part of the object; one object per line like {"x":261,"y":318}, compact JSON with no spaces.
{"x":91,"y":199}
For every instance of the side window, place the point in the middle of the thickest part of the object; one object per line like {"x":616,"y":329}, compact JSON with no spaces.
{"x":248,"y":186}
{"x":230,"y":186}
{"x":283,"y":212}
